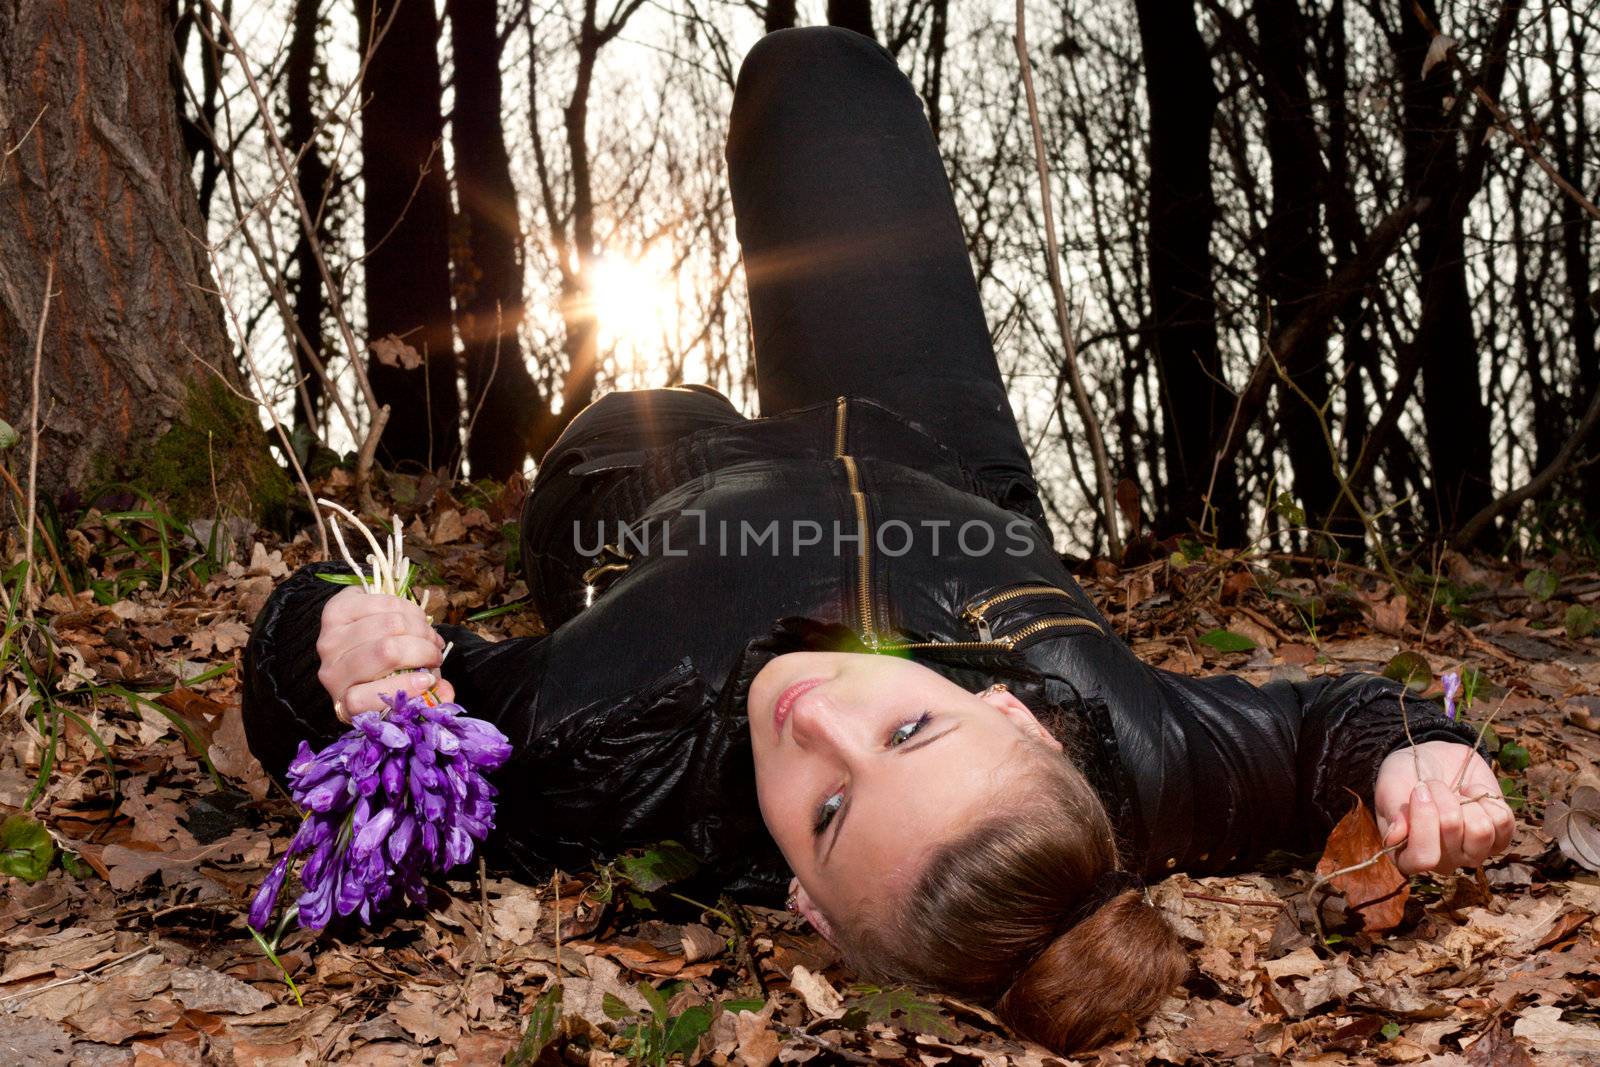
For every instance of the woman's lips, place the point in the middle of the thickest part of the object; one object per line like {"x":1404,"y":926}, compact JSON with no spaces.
{"x":786,"y":699}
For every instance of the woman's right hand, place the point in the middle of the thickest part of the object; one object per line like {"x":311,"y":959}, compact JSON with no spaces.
{"x":365,"y":638}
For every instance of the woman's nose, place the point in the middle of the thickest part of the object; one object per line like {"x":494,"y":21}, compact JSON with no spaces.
{"x":819,"y":724}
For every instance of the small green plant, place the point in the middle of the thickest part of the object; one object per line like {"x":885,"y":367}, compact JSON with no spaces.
{"x":269,"y":948}
{"x":897,"y":1006}
{"x":655,"y":1034}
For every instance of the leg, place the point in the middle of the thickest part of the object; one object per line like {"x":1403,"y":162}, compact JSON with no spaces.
{"x":858,"y":271}
{"x":606,"y":441}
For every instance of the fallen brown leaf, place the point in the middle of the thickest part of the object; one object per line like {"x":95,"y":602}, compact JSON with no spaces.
{"x":1375,"y":888}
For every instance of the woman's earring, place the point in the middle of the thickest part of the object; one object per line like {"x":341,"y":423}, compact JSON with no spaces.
{"x":794,"y":901}
{"x":998,"y":687}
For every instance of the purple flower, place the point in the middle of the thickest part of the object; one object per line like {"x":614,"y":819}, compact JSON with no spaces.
{"x":267,"y":896}
{"x":399,"y":797}
{"x":1452,"y":687}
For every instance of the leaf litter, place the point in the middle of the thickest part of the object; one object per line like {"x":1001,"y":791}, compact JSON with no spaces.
{"x":122,"y":936}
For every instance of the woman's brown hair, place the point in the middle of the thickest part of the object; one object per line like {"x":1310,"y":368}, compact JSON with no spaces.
{"x":998,"y":917}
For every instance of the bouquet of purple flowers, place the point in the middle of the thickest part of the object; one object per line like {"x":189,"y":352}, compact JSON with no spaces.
{"x":401,"y":796}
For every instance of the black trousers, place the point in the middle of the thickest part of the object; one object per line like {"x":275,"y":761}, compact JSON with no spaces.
{"x":859,"y":285}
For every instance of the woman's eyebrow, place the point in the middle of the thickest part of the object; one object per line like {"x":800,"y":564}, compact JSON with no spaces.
{"x":844,"y":812}
{"x":923,"y":742}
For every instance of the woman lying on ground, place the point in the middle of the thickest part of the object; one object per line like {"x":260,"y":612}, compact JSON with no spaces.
{"x":848,"y":615}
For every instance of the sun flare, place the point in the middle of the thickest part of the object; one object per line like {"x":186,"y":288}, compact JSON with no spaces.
{"x":632,"y":302}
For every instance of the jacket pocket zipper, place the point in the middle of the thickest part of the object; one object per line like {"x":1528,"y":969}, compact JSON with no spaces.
{"x":975,"y":613}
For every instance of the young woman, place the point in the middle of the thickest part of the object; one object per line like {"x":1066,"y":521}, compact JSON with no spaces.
{"x":847,"y":615}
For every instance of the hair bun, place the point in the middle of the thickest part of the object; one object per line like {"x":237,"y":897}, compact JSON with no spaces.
{"x":1099,"y":978}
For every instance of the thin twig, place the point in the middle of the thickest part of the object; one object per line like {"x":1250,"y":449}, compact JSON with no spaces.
{"x":1080,"y":397}
{"x":28,"y":590}
{"x":80,"y":977}
{"x":1240,"y":901}
{"x":821,"y":1042}
{"x":379,"y":414}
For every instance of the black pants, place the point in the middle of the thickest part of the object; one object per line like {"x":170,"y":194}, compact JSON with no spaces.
{"x":859,"y":283}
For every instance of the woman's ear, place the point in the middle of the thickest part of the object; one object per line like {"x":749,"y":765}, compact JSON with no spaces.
{"x":808,"y":910}
{"x":1006,"y":703}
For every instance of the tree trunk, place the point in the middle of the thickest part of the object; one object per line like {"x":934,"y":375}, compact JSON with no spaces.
{"x":405,"y":226}
{"x":780,"y":15}
{"x":852,"y":15}
{"x":1455,"y":420}
{"x":94,"y":179}
{"x":1195,"y":404}
{"x":502,"y":399}
{"x":1293,"y":269}
{"x":312,"y":177}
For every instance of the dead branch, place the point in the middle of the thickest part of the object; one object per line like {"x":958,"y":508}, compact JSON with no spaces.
{"x":1080,"y":396}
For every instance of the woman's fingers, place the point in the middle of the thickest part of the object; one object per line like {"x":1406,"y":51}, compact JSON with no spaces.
{"x":376,"y":659}
{"x":368,"y":696}
{"x":1477,"y":833}
{"x":1452,"y":824}
{"x":1422,"y":851}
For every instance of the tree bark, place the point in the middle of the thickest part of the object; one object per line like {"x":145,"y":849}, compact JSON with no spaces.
{"x":502,"y":399}
{"x":1195,"y":404}
{"x":94,"y":179}
{"x":405,"y":226}
{"x":852,"y":15}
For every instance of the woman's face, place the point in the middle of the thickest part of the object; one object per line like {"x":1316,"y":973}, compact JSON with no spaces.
{"x":866,"y":764}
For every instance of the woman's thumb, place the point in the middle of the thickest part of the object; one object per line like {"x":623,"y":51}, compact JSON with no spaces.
{"x":1396,"y":831}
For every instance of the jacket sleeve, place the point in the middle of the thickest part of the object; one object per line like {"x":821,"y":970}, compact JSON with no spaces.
{"x":284,"y":702}
{"x":1348,"y":725}
{"x":1275,"y":767}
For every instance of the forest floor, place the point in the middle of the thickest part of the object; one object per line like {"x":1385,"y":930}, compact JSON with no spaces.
{"x":126,"y":939}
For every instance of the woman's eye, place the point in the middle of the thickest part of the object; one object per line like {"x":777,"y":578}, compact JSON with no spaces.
{"x":829,"y":809}
{"x":907,"y":731}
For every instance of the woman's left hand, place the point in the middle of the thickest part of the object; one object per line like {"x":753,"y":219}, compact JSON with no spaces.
{"x":1447,"y":818}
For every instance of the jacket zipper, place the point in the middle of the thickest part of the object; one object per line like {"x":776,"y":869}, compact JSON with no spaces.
{"x":863,"y":533}
{"x":1005,"y":642}
{"x":974,"y":614}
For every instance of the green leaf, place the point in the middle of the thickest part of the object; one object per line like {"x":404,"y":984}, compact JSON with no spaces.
{"x":658,"y":866}
{"x":544,"y":1024}
{"x":614,"y":1008}
{"x":895,"y":1007}
{"x":74,"y":865}
{"x":8,"y":435}
{"x":1541,"y":584}
{"x":655,"y":998}
{"x":1390,"y":1031}
{"x":1515,"y":798}
{"x":750,"y":1004}
{"x":685,"y":1031}
{"x":1288,"y":510}
{"x":339,"y":578}
{"x":1513,"y":757}
{"x":1581,"y":621}
{"x":1412,"y":669}
{"x":1226,"y":641}
{"x":1472,"y":683}
{"x":26,"y":850}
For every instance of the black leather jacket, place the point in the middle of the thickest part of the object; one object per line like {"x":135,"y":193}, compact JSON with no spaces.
{"x":628,"y":720}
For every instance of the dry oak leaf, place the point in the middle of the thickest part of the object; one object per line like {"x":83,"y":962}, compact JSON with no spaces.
{"x":1377,"y":891}
{"x":819,"y":995}
{"x":1575,"y":826}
